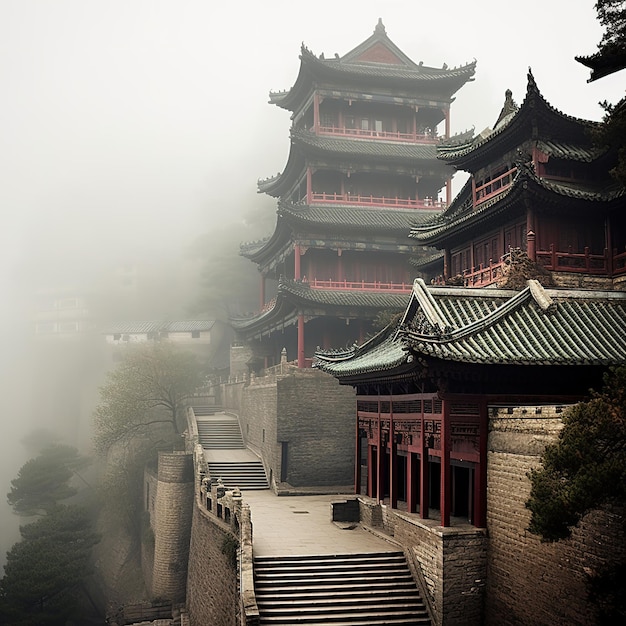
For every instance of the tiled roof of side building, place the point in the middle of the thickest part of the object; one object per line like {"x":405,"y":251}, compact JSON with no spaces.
{"x":151,"y":326}
{"x":488,"y":326}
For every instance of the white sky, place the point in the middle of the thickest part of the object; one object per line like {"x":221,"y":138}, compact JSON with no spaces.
{"x":144,"y":122}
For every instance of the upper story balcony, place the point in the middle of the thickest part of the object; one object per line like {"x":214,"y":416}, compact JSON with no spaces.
{"x":361,"y":285}
{"x":371,"y":133}
{"x":492,"y":187}
{"x":382,"y":201}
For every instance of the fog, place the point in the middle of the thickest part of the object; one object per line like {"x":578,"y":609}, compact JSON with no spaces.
{"x":131,"y":127}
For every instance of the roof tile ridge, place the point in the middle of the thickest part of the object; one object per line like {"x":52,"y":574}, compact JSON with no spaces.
{"x":481,"y":324}
{"x":492,"y":317}
{"x":545,"y":302}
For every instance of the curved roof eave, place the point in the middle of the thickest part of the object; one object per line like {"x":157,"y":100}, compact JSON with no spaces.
{"x":445,"y":82}
{"x":534,"y":104}
{"x":353,"y":218}
{"x":330,"y":147}
{"x":280,"y":184}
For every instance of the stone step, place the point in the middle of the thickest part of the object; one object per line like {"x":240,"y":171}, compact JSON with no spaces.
{"x":244,"y":474}
{"x":343,"y":589}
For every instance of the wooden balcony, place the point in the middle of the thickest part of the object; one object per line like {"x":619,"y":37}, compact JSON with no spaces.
{"x":372,"y":134}
{"x":380,"y":201}
{"x":493,"y":187}
{"x":584,"y":262}
{"x":483,"y":275}
{"x":347,"y":285}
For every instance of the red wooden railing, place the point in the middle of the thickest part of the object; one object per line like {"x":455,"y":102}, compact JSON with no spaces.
{"x":483,"y":275}
{"x":358,"y":199}
{"x":574,"y":262}
{"x":494,"y":186}
{"x":360,"y":285}
{"x":372,"y":134}
{"x":619,"y":262}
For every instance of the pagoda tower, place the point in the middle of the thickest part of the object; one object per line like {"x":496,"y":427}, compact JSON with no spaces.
{"x":362,"y":170}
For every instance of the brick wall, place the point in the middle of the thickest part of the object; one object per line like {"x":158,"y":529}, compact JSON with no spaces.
{"x":171,"y":522}
{"x":448,"y":563}
{"x":530,"y":582}
{"x":311,"y":415}
{"x":212,"y":578}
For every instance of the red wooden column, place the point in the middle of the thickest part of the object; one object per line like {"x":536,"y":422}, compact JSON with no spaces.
{"x":370,"y":470}
{"x":480,"y":472}
{"x":301,"y":361}
{"x":447,"y":127}
{"x":411,"y":483}
{"x":393,"y":461}
{"x":357,"y":457}
{"x":316,"y":111}
{"x":380,"y":459}
{"x":424,"y":495}
{"x":309,"y":185}
{"x":262,"y":293}
{"x":297,"y":274}
{"x":446,"y":469}
{"x":530,"y":234}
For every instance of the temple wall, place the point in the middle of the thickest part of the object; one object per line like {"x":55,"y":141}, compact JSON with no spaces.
{"x":317,"y":419}
{"x":530,"y":582}
{"x":449,"y":564}
{"x":306,"y":417}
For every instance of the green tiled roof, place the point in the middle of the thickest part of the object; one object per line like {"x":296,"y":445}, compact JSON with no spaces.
{"x":489,"y":326}
{"x":377,"y":148}
{"x":467,"y":152}
{"x":460,"y":215}
{"x":293,"y":296}
{"x":405,"y":75}
{"x":359,"y":218}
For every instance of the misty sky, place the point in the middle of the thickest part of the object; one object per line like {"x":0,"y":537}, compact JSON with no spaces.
{"x":141,"y":123}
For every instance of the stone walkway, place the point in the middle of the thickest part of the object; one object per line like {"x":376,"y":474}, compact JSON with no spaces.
{"x":298,"y":525}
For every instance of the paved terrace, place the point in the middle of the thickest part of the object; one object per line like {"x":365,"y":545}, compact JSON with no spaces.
{"x":299,"y":525}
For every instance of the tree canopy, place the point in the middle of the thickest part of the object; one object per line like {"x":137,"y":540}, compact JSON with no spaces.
{"x":147,"y":390}
{"x":44,"y":572}
{"x":586,"y":468}
{"x":45,"y":480}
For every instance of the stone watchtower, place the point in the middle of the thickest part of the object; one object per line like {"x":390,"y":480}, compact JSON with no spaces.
{"x":171,"y":523}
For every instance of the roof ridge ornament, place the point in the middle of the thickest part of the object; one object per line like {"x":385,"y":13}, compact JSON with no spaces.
{"x":380,"y":27}
{"x":539,"y":294}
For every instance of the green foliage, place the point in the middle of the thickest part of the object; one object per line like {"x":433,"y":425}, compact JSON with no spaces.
{"x":612,"y":134}
{"x":586,"y":468}
{"x":612,"y":16}
{"x":45,"y":480}
{"x":44,"y":571}
{"x":146,"y":391}
{"x":230,"y":546}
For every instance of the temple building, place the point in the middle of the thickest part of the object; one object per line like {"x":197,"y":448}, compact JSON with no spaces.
{"x":458,"y":397}
{"x":362,"y":170}
{"x":539,"y":186}
{"x":426,"y":387}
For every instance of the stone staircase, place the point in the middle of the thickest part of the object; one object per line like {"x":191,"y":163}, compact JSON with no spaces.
{"x":220,"y":433}
{"x":343,"y":590}
{"x":246,"y":475}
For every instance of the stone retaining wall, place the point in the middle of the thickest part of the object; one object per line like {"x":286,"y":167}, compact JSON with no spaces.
{"x":530,"y":582}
